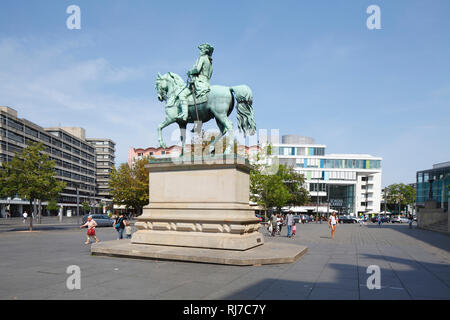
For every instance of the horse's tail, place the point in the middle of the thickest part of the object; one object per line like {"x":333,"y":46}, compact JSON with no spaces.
{"x":245,"y":114}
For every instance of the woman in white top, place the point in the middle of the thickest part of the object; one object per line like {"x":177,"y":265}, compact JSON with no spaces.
{"x":332,"y":222}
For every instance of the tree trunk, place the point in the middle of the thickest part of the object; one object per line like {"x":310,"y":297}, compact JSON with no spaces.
{"x":31,"y":215}
{"x":39,"y":210}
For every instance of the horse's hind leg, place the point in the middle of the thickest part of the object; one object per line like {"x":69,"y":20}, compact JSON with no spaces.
{"x":230,"y":131}
{"x":221,"y":125}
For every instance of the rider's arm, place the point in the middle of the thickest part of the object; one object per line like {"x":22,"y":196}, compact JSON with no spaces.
{"x":197,"y":67}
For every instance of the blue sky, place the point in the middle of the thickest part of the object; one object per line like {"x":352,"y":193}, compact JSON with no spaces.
{"x":314,"y":68}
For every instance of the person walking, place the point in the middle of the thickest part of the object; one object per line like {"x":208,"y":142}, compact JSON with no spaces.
{"x":90,"y":224}
{"x":410,"y":221}
{"x":274,"y":224}
{"x":127,"y":230}
{"x":279,"y":223}
{"x":289,"y":222}
{"x":25,"y":216}
{"x":119,"y":225}
{"x":380,"y":221}
{"x":294,"y":228}
{"x":332,"y":223}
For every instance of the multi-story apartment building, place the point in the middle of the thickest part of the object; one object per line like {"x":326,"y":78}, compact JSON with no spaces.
{"x":347,"y":183}
{"x":104,"y":164}
{"x":73,"y":154}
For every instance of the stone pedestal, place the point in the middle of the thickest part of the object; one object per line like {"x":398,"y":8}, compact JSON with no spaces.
{"x":199,"y":205}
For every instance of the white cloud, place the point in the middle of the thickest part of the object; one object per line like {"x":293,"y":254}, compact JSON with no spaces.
{"x":49,"y":86}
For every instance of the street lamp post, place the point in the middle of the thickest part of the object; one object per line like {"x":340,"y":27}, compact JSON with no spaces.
{"x":78,"y":205}
{"x":328,"y":200}
{"x":317,"y":200}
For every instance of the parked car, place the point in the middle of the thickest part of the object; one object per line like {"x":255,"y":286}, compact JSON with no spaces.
{"x":102,"y":220}
{"x":383,"y":219}
{"x":297,"y":218}
{"x":399,"y":219}
{"x":404,"y":220}
{"x":396,"y":220}
{"x":347,"y":219}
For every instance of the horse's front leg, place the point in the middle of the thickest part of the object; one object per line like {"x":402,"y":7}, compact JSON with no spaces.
{"x":161,"y":126}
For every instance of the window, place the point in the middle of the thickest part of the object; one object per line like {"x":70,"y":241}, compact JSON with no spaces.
{"x":15,"y":124}
{"x":46,"y":138}
{"x":67,"y":147}
{"x":13,"y":136}
{"x":56,"y":142}
{"x":31,"y":132}
{"x":67,"y":138}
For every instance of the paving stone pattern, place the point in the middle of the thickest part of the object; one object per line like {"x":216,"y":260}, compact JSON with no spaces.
{"x":414,"y":264}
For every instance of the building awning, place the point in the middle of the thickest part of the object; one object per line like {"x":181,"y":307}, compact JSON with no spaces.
{"x":305,"y":209}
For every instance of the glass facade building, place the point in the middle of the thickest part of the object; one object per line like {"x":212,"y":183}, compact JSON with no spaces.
{"x":438,"y":178}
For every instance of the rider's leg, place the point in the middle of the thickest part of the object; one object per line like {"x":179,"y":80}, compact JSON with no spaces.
{"x":184,"y":110}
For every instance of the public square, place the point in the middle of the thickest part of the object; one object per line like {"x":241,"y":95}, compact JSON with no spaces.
{"x":414,"y":264}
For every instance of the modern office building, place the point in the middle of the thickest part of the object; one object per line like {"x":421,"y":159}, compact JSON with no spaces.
{"x":347,"y":183}
{"x":104,"y":164}
{"x":73,"y":154}
{"x":432,"y":184}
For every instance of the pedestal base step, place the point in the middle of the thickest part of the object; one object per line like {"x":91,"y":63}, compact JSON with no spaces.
{"x":269,"y":253}
{"x":213,"y":240}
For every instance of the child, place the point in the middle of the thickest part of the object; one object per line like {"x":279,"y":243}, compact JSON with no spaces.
{"x":127,"y":230}
{"x":294,"y":228}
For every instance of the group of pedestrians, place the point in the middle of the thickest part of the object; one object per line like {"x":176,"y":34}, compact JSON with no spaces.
{"x":121,"y":225}
{"x":278,"y":220}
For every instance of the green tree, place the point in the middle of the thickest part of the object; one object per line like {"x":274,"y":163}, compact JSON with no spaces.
{"x":100,"y":206}
{"x":294,"y":182}
{"x":276,"y":190}
{"x":30,"y":175}
{"x":52,"y":205}
{"x":85,"y":206}
{"x":400,"y":194}
{"x":129,"y":186}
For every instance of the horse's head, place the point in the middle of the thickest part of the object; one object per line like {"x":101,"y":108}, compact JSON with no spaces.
{"x":161,"y":87}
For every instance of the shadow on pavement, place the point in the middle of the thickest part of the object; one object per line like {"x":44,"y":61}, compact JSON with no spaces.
{"x":436,"y":239}
{"x":408,"y":280}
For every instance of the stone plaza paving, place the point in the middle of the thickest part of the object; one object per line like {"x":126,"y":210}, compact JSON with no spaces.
{"x":414,"y":263}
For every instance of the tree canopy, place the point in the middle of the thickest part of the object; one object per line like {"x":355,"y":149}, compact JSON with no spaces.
{"x":284,"y":187}
{"x":30,"y":175}
{"x":129,"y":186}
{"x":399,"y":194}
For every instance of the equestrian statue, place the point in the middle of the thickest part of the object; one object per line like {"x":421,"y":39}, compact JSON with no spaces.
{"x":195,"y":101}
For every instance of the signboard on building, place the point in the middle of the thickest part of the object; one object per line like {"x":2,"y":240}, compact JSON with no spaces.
{"x":336,"y":202}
